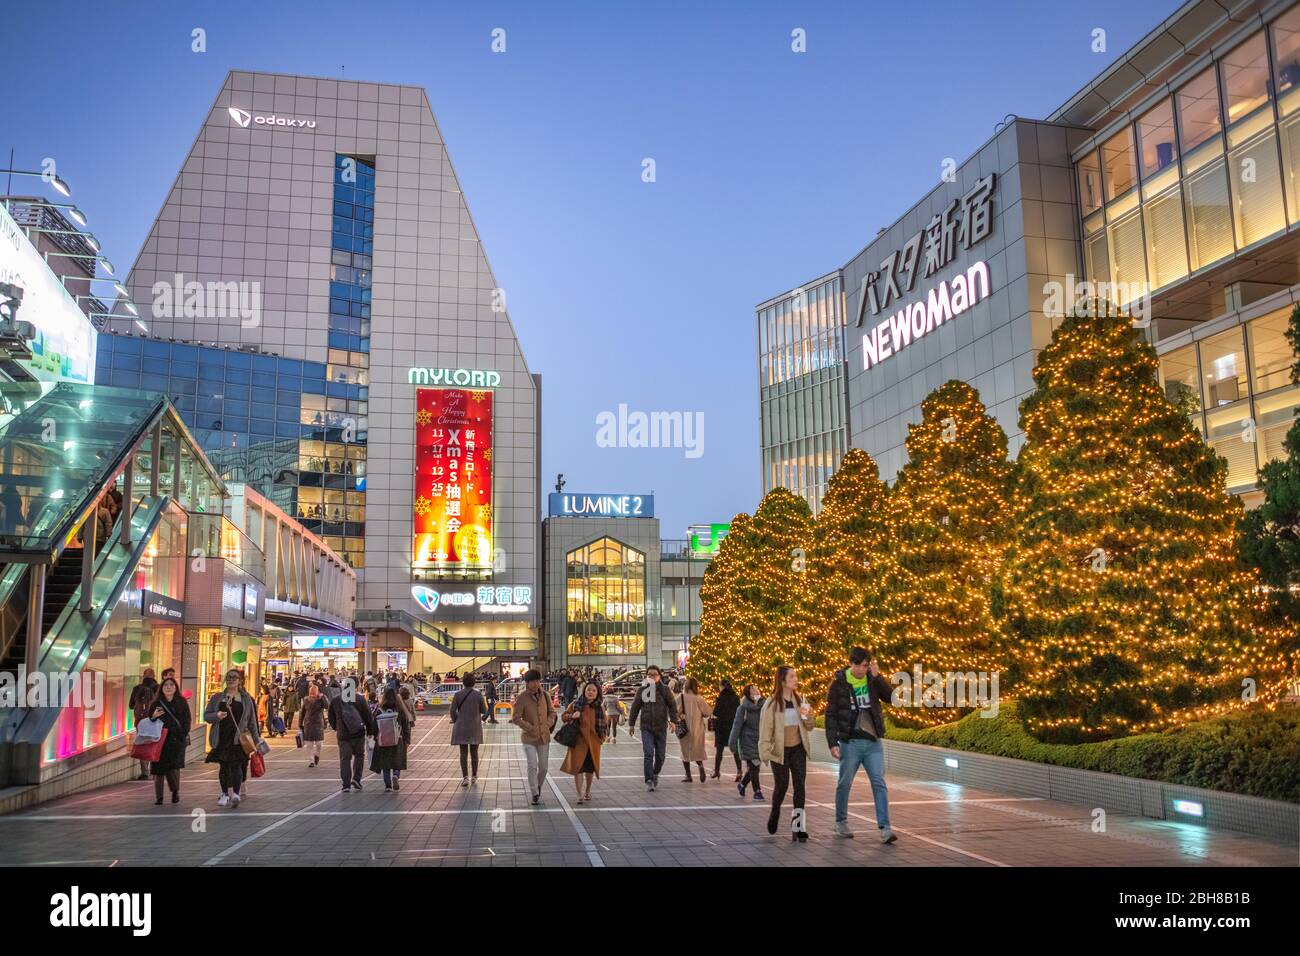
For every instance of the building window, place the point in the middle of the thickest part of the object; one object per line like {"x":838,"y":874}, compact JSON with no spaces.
{"x":1181,"y":381}
{"x":1118,"y":164}
{"x":1209,"y":216}
{"x":1286,"y":60}
{"x":1165,"y":238}
{"x":1088,"y":172}
{"x":1223,"y":362}
{"x":1256,"y":189}
{"x":1157,"y":148}
{"x":1275,"y":414}
{"x":1271,"y":355}
{"x":1198,"y":111}
{"x":1245,"y":83}
{"x":1231,"y":436}
{"x":605,"y":584}
{"x":1127,"y":252}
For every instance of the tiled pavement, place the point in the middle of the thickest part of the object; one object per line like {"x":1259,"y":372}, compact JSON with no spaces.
{"x":296,"y":815}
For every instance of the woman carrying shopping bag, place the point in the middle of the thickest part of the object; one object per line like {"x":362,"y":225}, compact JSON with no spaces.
{"x":169,"y":707}
{"x":233,"y":735}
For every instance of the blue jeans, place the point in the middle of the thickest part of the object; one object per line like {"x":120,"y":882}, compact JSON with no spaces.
{"x":390,"y":776}
{"x":870,"y":755}
{"x":654,"y":745}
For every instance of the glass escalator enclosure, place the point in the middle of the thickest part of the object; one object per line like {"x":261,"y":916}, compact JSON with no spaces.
{"x":59,"y":442}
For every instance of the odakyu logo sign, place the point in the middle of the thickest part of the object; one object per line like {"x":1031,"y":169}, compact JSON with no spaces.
{"x":430,"y":600}
{"x":490,"y":599}
{"x":246,"y":119}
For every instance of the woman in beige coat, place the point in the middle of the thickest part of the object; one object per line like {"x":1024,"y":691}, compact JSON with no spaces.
{"x":695,"y":713}
{"x":784,"y":726}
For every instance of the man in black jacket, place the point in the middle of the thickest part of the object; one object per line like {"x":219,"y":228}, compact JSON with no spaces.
{"x":855,"y":727}
{"x":352,"y":722}
{"x":660,"y":716}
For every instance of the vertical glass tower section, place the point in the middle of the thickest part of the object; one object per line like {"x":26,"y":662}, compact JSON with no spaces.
{"x":801,"y":387}
{"x":332,"y":464}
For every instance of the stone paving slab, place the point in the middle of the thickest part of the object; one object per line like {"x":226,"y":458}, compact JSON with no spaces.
{"x":297,"y":815}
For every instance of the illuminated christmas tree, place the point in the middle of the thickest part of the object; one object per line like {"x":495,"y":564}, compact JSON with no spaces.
{"x":949,"y":521}
{"x":713,"y":651}
{"x":840,"y":603}
{"x":1123,"y":590}
{"x":755,"y":600}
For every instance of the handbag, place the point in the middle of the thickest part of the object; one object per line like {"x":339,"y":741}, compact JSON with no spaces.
{"x":257,"y":765}
{"x":150,"y":750}
{"x":682,"y":730}
{"x":568,"y":735}
{"x":713,"y":724}
{"x":298,"y":739}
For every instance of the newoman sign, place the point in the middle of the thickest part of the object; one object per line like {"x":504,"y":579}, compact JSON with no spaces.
{"x":918,"y":319}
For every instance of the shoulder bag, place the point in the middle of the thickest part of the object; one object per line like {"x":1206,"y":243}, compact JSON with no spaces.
{"x":568,"y":735}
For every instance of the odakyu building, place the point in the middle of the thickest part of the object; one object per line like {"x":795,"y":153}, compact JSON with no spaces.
{"x":1167,"y":185}
{"x":317,"y":302}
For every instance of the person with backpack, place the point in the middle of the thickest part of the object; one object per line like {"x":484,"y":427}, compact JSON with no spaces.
{"x":855,"y":728}
{"x":392,"y":737}
{"x":290,"y":707}
{"x":142,"y":695}
{"x":351,"y":721}
{"x":468,"y":711}
{"x":744,"y":739}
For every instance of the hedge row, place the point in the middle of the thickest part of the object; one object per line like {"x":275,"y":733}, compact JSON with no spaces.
{"x":1255,"y":752}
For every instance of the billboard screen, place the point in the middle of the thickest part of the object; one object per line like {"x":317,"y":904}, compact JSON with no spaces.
{"x":452,"y":513}
{"x":64,"y":347}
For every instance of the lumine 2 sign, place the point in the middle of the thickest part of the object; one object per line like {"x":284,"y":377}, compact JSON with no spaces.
{"x":467,"y":377}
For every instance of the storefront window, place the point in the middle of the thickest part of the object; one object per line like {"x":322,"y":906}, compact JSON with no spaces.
{"x":605,"y":585}
{"x":1231,"y":436}
{"x":1223,"y":365}
{"x":1209,"y":216}
{"x":1158,"y":149}
{"x":1286,"y":60}
{"x":1271,"y":354}
{"x":1118,"y":163}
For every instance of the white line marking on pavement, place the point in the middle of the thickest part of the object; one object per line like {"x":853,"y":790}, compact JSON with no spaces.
{"x":593,"y":854}
{"x":917,"y":836}
{"x":281,"y":822}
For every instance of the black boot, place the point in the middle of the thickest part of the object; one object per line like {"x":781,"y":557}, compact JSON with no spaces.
{"x":688,"y":778}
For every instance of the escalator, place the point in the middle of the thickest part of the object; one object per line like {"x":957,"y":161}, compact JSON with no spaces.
{"x":64,"y":447}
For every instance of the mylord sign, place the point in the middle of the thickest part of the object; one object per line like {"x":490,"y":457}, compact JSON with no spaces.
{"x":564,"y":505}
{"x":246,"y":119}
{"x":464,"y":377}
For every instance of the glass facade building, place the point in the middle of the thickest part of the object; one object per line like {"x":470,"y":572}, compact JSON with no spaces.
{"x":271,"y":422}
{"x":801,"y":388}
{"x":605,"y":588}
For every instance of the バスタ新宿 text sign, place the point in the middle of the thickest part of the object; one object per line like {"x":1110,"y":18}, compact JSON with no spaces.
{"x":452,"y":512}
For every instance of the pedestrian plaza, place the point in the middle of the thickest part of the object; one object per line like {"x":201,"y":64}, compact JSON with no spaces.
{"x":296,"y":815}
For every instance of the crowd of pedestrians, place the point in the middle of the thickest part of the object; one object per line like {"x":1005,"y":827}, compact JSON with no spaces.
{"x":373,"y":716}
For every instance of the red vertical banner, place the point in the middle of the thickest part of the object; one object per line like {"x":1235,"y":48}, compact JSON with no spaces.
{"x":452,"y":515}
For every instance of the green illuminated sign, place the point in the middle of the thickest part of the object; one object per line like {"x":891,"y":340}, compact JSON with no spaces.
{"x":716,"y":532}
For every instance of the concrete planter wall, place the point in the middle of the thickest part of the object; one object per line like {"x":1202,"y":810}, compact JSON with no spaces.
{"x":1269,"y":819}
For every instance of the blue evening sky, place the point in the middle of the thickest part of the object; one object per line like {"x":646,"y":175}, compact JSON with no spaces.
{"x":772,"y":167}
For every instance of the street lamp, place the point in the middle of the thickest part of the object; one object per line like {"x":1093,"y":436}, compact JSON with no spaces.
{"x":108,"y":266}
{"x":50,"y":178}
{"x":87,"y":237}
{"x":75,"y":214}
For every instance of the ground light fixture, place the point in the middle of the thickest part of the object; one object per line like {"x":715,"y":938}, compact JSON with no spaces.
{"x":62,"y":187}
{"x":950,"y":762}
{"x":1190,"y":808}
